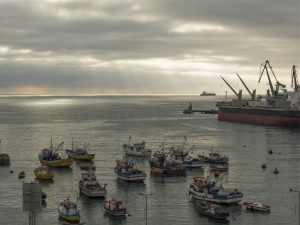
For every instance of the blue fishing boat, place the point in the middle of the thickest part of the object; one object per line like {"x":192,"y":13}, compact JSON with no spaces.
{"x":179,"y":156}
{"x":127,"y":171}
{"x":68,"y":210}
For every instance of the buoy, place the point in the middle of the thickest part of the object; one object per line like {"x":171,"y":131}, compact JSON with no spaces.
{"x":270,"y":151}
{"x":263,"y":166}
{"x":244,"y":146}
{"x":11,"y":171}
{"x":216,"y":174}
{"x":291,"y":189}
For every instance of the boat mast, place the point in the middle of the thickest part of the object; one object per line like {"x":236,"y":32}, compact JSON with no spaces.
{"x":72,"y":144}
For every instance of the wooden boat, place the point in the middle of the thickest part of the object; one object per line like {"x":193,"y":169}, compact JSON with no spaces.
{"x":21,"y":174}
{"x":68,"y":210}
{"x":4,"y":158}
{"x":80,"y":153}
{"x":126,"y":170}
{"x":113,"y":207}
{"x":212,"y":210}
{"x":43,"y":172}
{"x":89,"y":185}
{"x":214,"y":157}
{"x":220,"y":168}
{"x":88,"y":167}
{"x":257,"y":206}
{"x":137,"y":149}
{"x":49,"y":157}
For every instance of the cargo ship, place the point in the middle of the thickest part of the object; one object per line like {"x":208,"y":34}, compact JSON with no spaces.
{"x":275,"y":110}
{"x":204,"y":93}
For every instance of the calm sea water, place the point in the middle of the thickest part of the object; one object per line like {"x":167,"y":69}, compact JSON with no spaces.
{"x":27,"y":124}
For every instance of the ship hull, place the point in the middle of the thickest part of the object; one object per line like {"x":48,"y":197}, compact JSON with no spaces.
{"x":131,"y":177}
{"x":271,"y":117}
{"x":225,"y":199}
{"x":57,"y":163}
{"x":47,"y":176}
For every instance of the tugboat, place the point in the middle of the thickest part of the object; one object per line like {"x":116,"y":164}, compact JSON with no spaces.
{"x":49,"y":157}
{"x":125,"y":170}
{"x":179,"y":156}
{"x":80,"y":153}
{"x":214,"y":157}
{"x":113,"y":207}
{"x":43,"y":172}
{"x":257,"y":206}
{"x":212,"y":210}
{"x":21,"y":174}
{"x":202,"y":188}
{"x":68,"y":210}
{"x":159,"y":161}
{"x":90,"y":187}
{"x":137,"y":149}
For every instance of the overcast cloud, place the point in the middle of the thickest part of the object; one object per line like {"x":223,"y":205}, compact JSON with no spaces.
{"x":144,"y":47}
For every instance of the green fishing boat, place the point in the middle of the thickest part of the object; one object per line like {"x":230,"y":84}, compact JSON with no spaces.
{"x":4,"y":158}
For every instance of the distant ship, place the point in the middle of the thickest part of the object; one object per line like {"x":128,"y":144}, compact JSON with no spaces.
{"x":208,"y":94}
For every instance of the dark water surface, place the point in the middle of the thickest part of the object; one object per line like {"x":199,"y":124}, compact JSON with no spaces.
{"x":27,"y":124}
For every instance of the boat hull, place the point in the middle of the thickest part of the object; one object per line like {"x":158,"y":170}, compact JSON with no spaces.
{"x":48,"y":176}
{"x":57,"y":163}
{"x":207,"y":159}
{"x":115,"y":213}
{"x":188,"y":164}
{"x":80,"y":157}
{"x":73,"y":218}
{"x":272,"y":117}
{"x":131,"y":177}
{"x":218,"y":168}
{"x":225,"y":199}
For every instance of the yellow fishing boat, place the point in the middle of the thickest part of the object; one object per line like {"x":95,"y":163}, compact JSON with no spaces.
{"x":43,"y":172}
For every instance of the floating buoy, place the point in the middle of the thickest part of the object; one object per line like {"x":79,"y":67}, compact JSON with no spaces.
{"x":216,"y":174}
{"x":244,"y":146}
{"x":11,"y":171}
{"x":291,"y":189}
{"x":270,"y":151}
{"x":263,"y":166}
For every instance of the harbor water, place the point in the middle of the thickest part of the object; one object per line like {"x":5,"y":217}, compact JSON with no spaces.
{"x":105,"y":122}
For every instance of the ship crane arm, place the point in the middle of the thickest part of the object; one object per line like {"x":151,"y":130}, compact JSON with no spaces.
{"x":251,"y":94}
{"x":295,"y":79}
{"x":239,"y":95}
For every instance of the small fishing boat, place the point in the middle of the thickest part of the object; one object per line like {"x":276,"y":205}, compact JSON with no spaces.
{"x":203,"y":189}
{"x":127,"y":171}
{"x":44,"y":196}
{"x":49,"y":157}
{"x":80,"y":153}
{"x":89,"y":185}
{"x":4,"y":158}
{"x":68,"y":210}
{"x":137,"y":149}
{"x":257,"y":206}
{"x":214,"y":157}
{"x":21,"y":174}
{"x":113,"y":207}
{"x":218,"y":167}
{"x":88,"y":167}
{"x":212,"y":210}
{"x":179,"y":156}
{"x":43,"y":172}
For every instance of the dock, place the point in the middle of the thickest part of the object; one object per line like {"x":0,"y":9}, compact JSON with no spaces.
{"x":191,"y":110}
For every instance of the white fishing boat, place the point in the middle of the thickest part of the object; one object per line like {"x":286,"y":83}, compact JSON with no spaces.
{"x":257,"y":206}
{"x":127,"y":171}
{"x":113,"y":207}
{"x":89,"y":185}
{"x":137,"y":149}
{"x":68,"y":210}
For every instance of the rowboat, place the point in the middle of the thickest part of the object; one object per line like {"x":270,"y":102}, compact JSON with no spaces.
{"x":80,"y":153}
{"x":257,"y":206}
{"x":68,"y":210}
{"x":43,"y":172}
{"x":113,"y":207}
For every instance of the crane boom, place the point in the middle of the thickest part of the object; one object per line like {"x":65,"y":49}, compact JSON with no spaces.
{"x":251,"y":94}
{"x":295,"y":78}
{"x":239,"y":95}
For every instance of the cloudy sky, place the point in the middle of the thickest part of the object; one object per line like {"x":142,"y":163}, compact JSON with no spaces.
{"x":144,"y":46}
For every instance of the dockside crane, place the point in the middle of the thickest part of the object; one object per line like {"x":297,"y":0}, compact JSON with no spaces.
{"x":295,"y":79}
{"x":253,"y":94}
{"x":278,"y":84}
{"x":239,"y":95}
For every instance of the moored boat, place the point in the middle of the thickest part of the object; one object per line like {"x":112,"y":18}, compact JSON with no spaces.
{"x":203,"y":189}
{"x":137,"y":149}
{"x":4,"y":158}
{"x":89,"y":185}
{"x":21,"y":174}
{"x":88,"y":167}
{"x":43,"y":172}
{"x":179,"y":156}
{"x":214,"y":157}
{"x":218,"y":167}
{"x":80,"y":153}
{"x":257,"y":206}
{"x":49,"y":157}
{"x":212,"y":210}
{"x":68,"y":210}
{"x":113,"y":207}
{"x":127,"y":171}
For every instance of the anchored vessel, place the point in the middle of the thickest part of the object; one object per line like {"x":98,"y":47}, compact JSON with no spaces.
{"x":203,"y":188}
{"x":218,"y":167}
{"x":212,"y":210}
{"x":4,"y":158}
{"x":21,"y":174}
{"x":113,"y":207}
{"x":257,"y":206}
{"x":49,"y":157}
{"x":214,"y":157}
{"x":204,"y":93}
{"x":68,"y":210}
{"x":137,"y":149}
{"x":127,"y":171}
{"x":80,"y":153}
{"x":89,"y":185}
{"x":43,"y":172}
{"x":179,"y":156}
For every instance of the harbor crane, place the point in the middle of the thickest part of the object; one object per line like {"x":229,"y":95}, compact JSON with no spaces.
{"x":278,"y":84}
{"x":239,"y":95}
{"x":253,"y":94}
{"x":295,"y":79}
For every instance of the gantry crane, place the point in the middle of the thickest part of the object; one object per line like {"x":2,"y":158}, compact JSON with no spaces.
{"x":253,"y":94}
{"x":239,"y":95}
